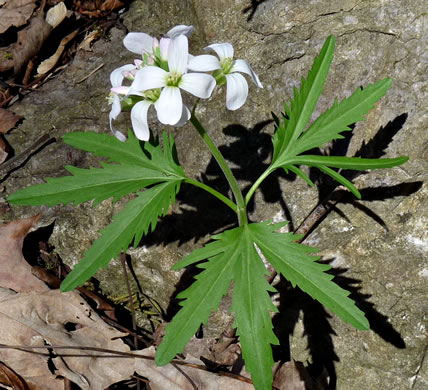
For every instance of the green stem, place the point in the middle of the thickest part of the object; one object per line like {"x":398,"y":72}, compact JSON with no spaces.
{"x":212,"y":191}
{"x":256,"y":185}
{"x":241,"y":208}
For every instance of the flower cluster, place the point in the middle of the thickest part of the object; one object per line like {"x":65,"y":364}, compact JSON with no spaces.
{"x":164,"y":70}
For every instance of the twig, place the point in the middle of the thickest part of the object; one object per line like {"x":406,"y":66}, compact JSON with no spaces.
{"x":186,"y":376}
{"x":17,"y":160}
{"x":28,"y":71}
{"x":131,"y":302}
{"x":25,"y":87}
{"x":89,"y":75}
{"x":114,"y":354}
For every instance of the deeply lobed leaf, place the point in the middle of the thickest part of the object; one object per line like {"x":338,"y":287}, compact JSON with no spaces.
{"x":324,"y":163}
{"x":105,"y":145}
{"x":138,"y":169}
{"x":130,"y":152}
{"x":232,"y":256}
{"x":290,"y":140}
{"x":202,"y":296}
{"x":340,"y":116}
{"x":304,"y":101}
{"x":95,"y":184}
{"x":293,"y":262}
{"x":131,"y":223}
{"x":252,"y":306}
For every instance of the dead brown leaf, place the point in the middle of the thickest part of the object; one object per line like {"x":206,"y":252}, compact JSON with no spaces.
{"x":15,"y":13}
{"x":30,"y":40}
{"x":60,"y":319}
{"x":89,"y":38}
{"x":49,"y":63}
{"x":33,"y":367}
{"x":56,"y":14}
{"x":97,"y":8}
{"x":8,"y":120}
{"x":15,"y":272}
{"x":210,"y":349}
{"x":180,"y":377}
{"x":10,"y":378}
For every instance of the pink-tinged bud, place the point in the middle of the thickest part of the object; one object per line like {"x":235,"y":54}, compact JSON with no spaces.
{"x":150,"y":61}
{"x":120,"y":90}
{"x":155,"y":43}
{"x":138,"y":63}
{"x":129,"y":74}
{"x":163,"y":46}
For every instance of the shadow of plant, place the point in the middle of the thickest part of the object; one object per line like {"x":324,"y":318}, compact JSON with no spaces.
{"x":190,"y":223}
{"x":294,"y":303}
{"x":292,"y":300}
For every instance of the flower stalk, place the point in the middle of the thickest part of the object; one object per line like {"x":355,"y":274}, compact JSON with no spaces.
{"x":213,"y":192}
{"x":241,"y":207}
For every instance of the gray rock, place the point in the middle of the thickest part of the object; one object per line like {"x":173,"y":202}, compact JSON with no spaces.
{"x":388,"y":260}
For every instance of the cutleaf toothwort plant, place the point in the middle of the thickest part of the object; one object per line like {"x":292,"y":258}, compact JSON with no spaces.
{"x":164,"y":71}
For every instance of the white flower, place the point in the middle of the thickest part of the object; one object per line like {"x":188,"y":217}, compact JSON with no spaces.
{"x":225,"y":69}
{"x":139,"y":118}
{"x":169,"y":106}
{"x":144,"y":44}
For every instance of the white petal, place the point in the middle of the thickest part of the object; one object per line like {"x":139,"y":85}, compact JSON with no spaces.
{"x":116,"y":77}
{"x":244,"y":67}
{"x":185,"y":116}
{"x":115,"y":108}
{"x":149,"y":77}
{"x":204,"y":63}
{"x":163,"y":47}
{"x":139,"y":120}
{"x":138,"y":43}
{"x":198,"y":84}
{"x":223,"y":50}
{"x":236,"y":91}
{"x":178,"y":53}
{"x":169,"y":106}
{"x":115,"y":111}
{"x":119,"y":136}
{"x":180,"y":30}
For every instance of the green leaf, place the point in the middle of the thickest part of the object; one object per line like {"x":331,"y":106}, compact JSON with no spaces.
{"x":132,"y":222}
{"x":130,"y":152}
{"x":87,"y":184}
{"x":340,"y":116}
{"x":290,"y":139}
{"x":293,"y":262}
{"x":299,"y":173}
{"x":138,"y":169}
{"x":232,"y":256}
{"x":305,"y":99}
{"x":354,"y":163}
{"x":340,"y":179}
{"x":202,"y":296}
{"x":106,"y":145}
{"x":252,"y":306}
